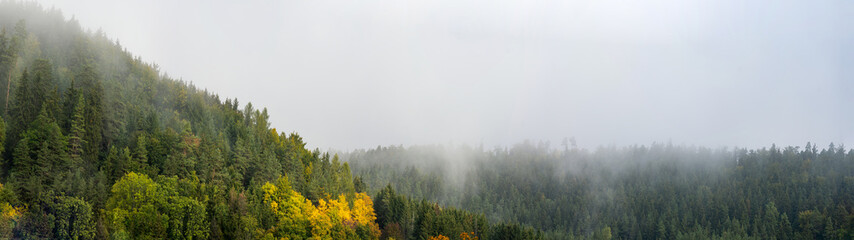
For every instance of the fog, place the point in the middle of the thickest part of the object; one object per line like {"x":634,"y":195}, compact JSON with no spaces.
{"x":357,"y":74}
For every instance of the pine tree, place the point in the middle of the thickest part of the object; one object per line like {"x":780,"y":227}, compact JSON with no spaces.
{"x":29,"y":98}
{"x":39,"y":155}
{"x":139,"y":161}
{"x":69,"y":106}
{"x":9,"y":57}
{"x":92,"y":92}
{"x":113,"y":165}
{"x":76,"y":134}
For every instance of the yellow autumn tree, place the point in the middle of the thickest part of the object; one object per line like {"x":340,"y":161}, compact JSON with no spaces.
{"x":339,"y":214}
{"x":339,"y":210}
{"x":363,"y":209}
{"x":293,"y":212}
{"x":9,"y":215}
{"x":321,"y":223}
{"x":365,"y":217}
{"x":440,"y":237}
{"x":298,"y":218}
{"x":468,"y":236}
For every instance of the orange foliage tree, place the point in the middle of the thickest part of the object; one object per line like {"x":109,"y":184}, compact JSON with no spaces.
{"x":440,"y":237}
{"x":468,"y":236}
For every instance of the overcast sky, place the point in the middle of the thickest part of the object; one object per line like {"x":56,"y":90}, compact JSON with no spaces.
{"x":357,"y":74}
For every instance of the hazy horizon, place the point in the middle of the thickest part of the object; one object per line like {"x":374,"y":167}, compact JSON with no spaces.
{"x":348,"y":75}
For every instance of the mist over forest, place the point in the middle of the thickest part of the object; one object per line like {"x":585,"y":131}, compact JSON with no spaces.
{"x":660,"y":191}
{"x":373,"y":73}
{"x":443,"y":120}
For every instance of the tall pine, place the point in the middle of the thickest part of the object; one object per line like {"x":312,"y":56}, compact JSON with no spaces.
{"x":77,"y":133}
{"x":39,"y":156}
{"x":90,"y":88}
{"x":29,"y":98}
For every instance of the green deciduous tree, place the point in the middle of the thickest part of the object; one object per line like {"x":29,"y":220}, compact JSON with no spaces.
{"x":74,"y":219}
{"x":141,"y":208}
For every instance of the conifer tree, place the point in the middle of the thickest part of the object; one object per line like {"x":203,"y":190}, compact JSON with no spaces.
{"x":90,"y":88}
{"x":39,"y":156}
{"x":139,"y":160}
{"x":77,"y":133}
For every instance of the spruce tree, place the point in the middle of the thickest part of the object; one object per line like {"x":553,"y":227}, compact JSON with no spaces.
{"x":77,"y":133}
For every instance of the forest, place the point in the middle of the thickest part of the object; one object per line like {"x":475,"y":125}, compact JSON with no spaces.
{"x":99,"y":144}
{"x":660,"y":191}
{"x":96,"y":143}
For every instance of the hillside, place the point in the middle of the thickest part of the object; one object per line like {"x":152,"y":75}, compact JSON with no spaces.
{"x":99,"y":144}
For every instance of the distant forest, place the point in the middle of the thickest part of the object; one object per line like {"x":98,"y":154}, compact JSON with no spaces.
{"x":659,"y":191}
{"x":96,"y":143}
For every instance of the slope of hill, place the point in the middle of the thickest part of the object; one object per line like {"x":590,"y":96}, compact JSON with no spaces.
{"x":90,"y":128}
{"x":97,"y":143}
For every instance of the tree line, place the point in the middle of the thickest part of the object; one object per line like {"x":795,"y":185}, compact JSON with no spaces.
{"x":660,"y":191}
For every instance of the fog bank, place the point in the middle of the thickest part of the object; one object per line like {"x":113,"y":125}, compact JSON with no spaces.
{"x":349,"y":75}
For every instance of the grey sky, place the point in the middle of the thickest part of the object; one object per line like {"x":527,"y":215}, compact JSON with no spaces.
{"x":357,"y":74}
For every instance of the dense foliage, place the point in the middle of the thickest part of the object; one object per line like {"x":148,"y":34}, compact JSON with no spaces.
{"x":401,"y":217}
{"x":640,"y":192}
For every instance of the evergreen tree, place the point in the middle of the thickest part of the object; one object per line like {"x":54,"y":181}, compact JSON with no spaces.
{"x":139,"y":161}
{"x":69,"y":106}
{"x":9,"y":52}
{"x":92,"y":92}
{"x":76,"y":134}
{"x":114,"y":164}
{"x":39,"y":156}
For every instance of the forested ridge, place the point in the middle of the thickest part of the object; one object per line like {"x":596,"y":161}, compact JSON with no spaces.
{"x":99,"y":144}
